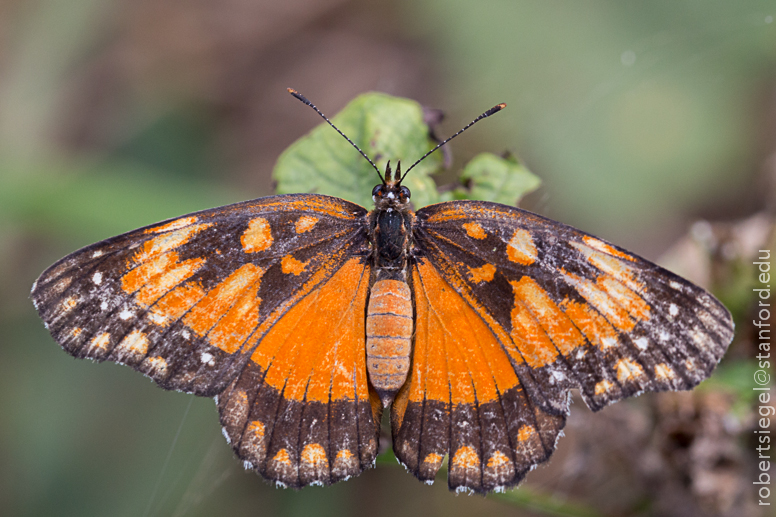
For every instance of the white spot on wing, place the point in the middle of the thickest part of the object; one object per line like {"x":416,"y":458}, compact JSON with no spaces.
{"x":97,"y":278}
{"x":641,"y":343}
{"x":125,"y":314}
{"x":673,"y":310}
{"x":207,"y":358}
{"x":607,"y":342}
{"x":97,"y":253}
{"x":156,"y":318}
{"x":103,"y":305}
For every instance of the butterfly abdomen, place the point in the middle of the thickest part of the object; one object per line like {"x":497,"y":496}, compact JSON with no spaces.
{"x":388,"y":337}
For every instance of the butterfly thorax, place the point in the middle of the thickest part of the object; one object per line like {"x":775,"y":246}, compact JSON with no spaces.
{"x":389,"y":323}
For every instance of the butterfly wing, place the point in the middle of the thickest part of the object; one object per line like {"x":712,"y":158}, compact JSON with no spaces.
{"x":220,"y":302}
{"x":525,"y":309}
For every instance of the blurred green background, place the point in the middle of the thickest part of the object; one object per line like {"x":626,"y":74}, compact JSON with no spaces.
{"x":640,"y":117}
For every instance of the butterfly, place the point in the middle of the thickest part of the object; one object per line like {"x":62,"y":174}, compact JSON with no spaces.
{"x":306,"y":316}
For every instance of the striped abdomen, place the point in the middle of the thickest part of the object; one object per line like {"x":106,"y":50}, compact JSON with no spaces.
{"x":388,"y":337}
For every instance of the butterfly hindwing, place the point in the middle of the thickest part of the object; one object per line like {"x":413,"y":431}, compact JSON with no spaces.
{"x":301,"y":412}
{"x":464,"y":399}
{"x":559,"y":307}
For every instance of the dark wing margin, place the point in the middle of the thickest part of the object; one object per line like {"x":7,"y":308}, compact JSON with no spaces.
{"x":189,"y":302}
{"x":569,"y":310}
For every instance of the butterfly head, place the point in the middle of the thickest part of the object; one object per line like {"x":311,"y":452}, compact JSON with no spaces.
{"x":391,"y":193}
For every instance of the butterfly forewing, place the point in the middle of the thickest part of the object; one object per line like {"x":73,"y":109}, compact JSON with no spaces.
{"x":182,"y":300}
{"x":264,"y":298}
{"x":582,"y":312}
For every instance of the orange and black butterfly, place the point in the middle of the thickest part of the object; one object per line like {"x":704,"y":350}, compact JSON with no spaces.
{"x":307,"y":315}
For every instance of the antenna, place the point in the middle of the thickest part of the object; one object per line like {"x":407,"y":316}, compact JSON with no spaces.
{"x":491,"y":111}
{"x":304,"y":99}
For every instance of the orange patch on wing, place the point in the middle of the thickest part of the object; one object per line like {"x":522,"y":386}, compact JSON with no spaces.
{"x":521,"y":248}
{"x":316,"y":350}
{"x":474,"y":230}
{"x":399,"y":406}
{"x":258,"y":236}
{"x":305,"y":223}
{"x":628,"y":370}
{"x":229,"y":312}
{"x":255,"y":429}
{"x":539,"y":328}
{"x":482,"y":274}
{"x":594,"y":326}
{"x":326,"y":206}
{"x":282,"y":456}
{"x":101,"y":341}
{"x":615,"y":314}
{"x":314,"y":454}
{"x":602,"y":246}
{"x":469,"y":211}
{"x":173,"y":225}
{"x":625,"y":298}
{"x":76,"y":331}
{"x":612,"y":266}
{"x":498,"y":459}
{"x":167,"y":242}
{"x":433,"y":459}
{"x":344,"y":454}
{"x":456,"y":357}
{"x":466,"y":458}
{"x":603,"y":386}
{"x":290,"y":265}
{"x":525,"y":432}
{"x":157,"y":276}
{"x":136,"y":343}
{"x":176,"y":303}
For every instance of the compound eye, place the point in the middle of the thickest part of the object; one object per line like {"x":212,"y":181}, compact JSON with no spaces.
{"x":404,"y":194}
{"x":377,"y":191}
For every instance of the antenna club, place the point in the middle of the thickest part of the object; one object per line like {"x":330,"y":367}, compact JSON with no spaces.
{"x":299,"y":96}
{"x":495,"y":109}
{"x":491,"y":111}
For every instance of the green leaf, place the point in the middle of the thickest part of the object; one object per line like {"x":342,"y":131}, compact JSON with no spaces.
{"x":492,"y":178}
{"x":385,"y":128}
